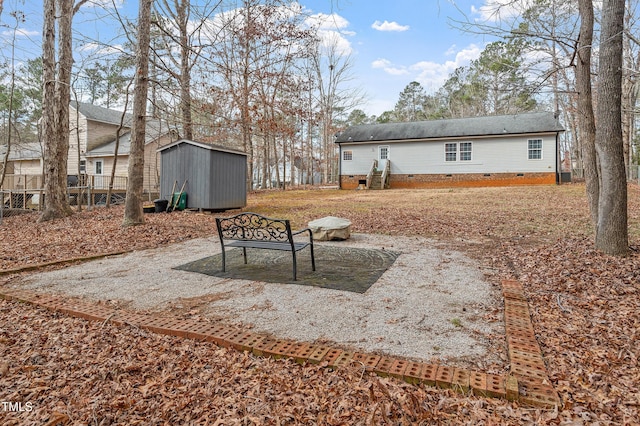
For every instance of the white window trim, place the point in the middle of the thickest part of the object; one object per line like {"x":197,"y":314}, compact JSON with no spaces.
{"x":460,"y":152}
{"x":529,"y":150}
{"x":95,"y":167}
{"x":455,"y":144}
{"x":344,"y":153}
{"x":380,"y":147}
{"x":457,"y":152}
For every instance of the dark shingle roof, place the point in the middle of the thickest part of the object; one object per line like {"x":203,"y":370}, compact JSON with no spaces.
{"x":23,"y":151}
{"x":540,"y":122}
{"x":101,"y":114}
{"x":155,"y":130}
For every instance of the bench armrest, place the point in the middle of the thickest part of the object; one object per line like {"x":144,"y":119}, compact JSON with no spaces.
{"x":304,"y":230}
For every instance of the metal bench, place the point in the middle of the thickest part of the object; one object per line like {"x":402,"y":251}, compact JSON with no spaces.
{"x":251,"y":230}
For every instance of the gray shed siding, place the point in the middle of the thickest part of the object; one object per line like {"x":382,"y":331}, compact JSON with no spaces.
{"x":216,"y":180}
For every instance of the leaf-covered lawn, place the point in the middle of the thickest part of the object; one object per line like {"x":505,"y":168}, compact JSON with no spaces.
{"x":585,"y":310}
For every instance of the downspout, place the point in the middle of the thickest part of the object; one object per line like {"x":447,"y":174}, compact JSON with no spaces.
{"x":558,"y":161}
{"x":339,"y":166}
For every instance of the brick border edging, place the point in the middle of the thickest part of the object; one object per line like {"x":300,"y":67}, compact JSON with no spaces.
{"x":527,"y":382}
{"x":61,"y":262}
{"x":525,"y":355}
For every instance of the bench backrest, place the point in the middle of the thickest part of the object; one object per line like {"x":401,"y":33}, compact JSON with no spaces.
{"x":252,"y":226}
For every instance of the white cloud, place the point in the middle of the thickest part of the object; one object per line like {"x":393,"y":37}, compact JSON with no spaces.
{"x":389,"y":26}
{"x":469,"y":53}
{"x":104,"y":4}
{"x":101,"y":49}
{"x":497,"y":10}
{"x":388,"y":67}
{"x":324,"y":22}
{"x":332,"y":30}
{"x":451,"y":51}
{"x":21,"y":32}
{"x":428,"y":73}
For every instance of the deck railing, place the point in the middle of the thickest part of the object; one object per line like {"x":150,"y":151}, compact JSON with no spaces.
{"x":386,"y":172}
{"x":15,"y":182}
{"x":22,"y":192}
{"x":373,"y":168}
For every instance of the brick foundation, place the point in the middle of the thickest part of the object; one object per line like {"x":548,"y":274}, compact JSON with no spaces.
{"x":456,"y":180}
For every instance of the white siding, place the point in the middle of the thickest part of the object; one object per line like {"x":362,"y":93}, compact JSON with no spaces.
{"x":489,"y":155}
{"x":77,"y":132}
{"x":27,"y":167}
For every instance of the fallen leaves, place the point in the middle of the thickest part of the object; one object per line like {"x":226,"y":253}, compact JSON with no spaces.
{"x":94,"y":374}
{"x":585,"y":309}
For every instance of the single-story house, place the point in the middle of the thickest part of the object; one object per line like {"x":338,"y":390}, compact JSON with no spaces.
{"x":503,"y":150}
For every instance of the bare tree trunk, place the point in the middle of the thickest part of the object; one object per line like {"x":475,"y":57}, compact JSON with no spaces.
{"x":133,"y":213}
{"x":12,"y":90}
{"x":116,"y":148}
{"x":55,"y":105}
{"x":276,"y":160}
{"x":629,"y":91}
{"x":77,"y":137}
{"x":266,"y":176}
{"x":185,"y":68}
{"x":611,"y":231}
{"x":586,"y":118}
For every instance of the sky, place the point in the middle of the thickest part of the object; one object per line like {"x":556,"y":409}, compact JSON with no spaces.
{"x":391,"y":42}
{"x":395,"y":42}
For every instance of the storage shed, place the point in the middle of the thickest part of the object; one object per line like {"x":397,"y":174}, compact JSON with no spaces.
{"x":216,"y":176}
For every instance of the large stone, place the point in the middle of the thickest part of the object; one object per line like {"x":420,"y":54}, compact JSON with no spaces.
{"x":330,"y":228}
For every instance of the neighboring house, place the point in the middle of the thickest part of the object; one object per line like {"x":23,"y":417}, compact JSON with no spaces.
{"x":483,"y":151}
{"x":93,"y":132}
{"x":92,"y":136}
{"x":24,"y":166}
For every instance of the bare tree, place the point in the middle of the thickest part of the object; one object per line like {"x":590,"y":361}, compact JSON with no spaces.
{"x":179,"y":49}
{"x":333,"y":70}
{"x":630,"y":89}
{"x":611,"y":231}
{"x":55,"y":103}
{"x":257,"y":46}
{"x":133,"y":212}
{"x":19,"y":18}
{"x":112,"y":177}
{"x":586,"y":118}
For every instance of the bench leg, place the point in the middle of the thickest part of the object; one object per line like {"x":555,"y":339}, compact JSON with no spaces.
{"x":244,"y":253}
{"x":313,"y":259}
{"x":295,"y":266}
{"x":224,"y":259}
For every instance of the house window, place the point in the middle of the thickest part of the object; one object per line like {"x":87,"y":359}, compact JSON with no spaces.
{"x":83,"y":166}
{"x":347,"y":155}
{"x":450,"y":152}
{"x":98,"y":167}
{"x":455,"y":151}
{"x":465,"y":151}
{"x":535,"y":149}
